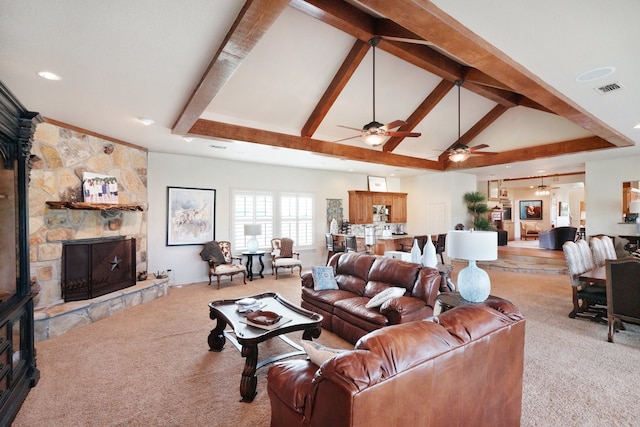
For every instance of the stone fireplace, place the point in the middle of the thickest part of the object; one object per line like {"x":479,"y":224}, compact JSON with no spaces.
{"x":96,"y":267}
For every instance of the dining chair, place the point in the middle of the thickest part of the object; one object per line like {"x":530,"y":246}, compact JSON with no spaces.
{"x":440,"y":246}
{"x":351,"y":243}
{"x":598,"y":251}
{"x":332,"y":245}
{"x":589,"y":300}
{"x":623,"y":293}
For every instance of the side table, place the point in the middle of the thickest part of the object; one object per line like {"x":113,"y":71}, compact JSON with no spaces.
{"x":449,"y":300}
{"x":250,"y":256}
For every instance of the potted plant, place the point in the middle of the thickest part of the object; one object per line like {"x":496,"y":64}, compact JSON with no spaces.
{"x":477,"y":207}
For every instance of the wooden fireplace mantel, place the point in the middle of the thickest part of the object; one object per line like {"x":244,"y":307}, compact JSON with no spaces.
{"x":96,"y":206}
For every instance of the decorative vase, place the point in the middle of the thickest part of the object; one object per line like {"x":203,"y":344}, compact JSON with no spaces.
{"x":333,"y":228}
{"x":415,"y":252}
{"x":429,"y":258}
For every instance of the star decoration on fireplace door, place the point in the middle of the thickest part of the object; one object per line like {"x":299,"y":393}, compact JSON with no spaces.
{"x":115,"y":263}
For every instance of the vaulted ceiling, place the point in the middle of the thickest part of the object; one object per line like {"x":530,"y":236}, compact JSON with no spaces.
{"x":294,"y":76}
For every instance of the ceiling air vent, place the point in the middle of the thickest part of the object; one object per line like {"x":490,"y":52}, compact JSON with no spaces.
{"x":609,"y":88}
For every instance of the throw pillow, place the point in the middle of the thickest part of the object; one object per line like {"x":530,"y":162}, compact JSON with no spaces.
{"x":318,"y":353}
{"x":387,"y":294}
{"x":323,"y":278}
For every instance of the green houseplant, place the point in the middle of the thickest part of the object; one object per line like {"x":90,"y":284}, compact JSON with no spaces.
{"x":477,"y":207}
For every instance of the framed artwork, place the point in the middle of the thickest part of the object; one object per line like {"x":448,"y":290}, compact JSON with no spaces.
{"x":377,"y":183}
{"x":493,"y":190}
{"x":191,"y":216}
{"x":531,"y":209}
{"x":563,"y":208}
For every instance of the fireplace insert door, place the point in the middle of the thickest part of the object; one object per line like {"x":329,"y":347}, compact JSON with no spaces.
{"x":97,"y":267}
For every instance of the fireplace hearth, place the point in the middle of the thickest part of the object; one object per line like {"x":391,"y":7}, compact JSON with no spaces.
{"x":95,"y":267}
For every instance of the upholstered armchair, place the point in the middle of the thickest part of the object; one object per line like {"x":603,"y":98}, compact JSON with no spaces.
{"x":222,"y":262}
{"x":529,"y":230}
{"x":283,"y":256}
{"x":554,"y":238}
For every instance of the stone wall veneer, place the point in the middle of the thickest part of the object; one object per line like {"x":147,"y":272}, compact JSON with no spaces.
{"x":60,"y":156}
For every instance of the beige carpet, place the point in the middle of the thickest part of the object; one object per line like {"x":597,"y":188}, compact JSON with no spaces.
{"x":150,"y":366}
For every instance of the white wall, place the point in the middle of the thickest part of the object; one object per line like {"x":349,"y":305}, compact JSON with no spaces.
{"x":603,"y":189}
{"x":183,"y":171}
{"x":431,"y":193}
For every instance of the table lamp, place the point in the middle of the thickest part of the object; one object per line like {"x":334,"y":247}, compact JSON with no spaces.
{"x":252,"y":230}
{"x":473,"y":283}
{"x":634,"y":207}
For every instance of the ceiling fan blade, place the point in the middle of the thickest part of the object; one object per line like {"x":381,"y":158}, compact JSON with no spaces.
{"x":349,"y":127}
{"x":478,"y":147}
{"x":394,"y":124}
{"x":344,"y":139}
{"x":407,"y":40}
{"x":404,"y":134}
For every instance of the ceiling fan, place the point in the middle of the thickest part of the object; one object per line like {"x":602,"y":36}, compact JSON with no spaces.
{"x":461,"y":152}
{"x":543,"y":190}
{"x":374,"y":133}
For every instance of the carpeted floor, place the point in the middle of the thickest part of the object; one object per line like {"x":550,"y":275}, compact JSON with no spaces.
{"x":151,"y":366}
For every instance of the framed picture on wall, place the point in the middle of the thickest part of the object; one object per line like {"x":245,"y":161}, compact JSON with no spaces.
{"x":191,"y":216}
{"x":563,"y":209}
{"x":531,"y":209}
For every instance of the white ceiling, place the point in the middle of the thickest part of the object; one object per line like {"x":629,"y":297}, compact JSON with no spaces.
{"x":120,"y":60}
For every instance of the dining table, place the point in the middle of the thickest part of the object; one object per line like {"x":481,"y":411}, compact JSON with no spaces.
{"x":597,"y":275}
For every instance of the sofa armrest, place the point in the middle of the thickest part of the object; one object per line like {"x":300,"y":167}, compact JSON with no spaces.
{"x":307,"y":279}
{"x":399,"y":310}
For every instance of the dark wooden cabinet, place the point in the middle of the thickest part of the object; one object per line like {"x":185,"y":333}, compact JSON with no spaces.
{"x":18,"y":372}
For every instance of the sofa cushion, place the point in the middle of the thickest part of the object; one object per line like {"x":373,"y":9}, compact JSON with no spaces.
{"x":354,"y":310}
{"x":393,"y":272}
{"x":323,"y":278}
{"x":384,"y":296}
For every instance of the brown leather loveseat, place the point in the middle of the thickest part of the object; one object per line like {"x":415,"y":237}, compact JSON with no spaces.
{"x":462,"y":368}
{"x":359,"y":278}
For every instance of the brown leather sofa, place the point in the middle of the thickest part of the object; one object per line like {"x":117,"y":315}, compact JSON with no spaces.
{"x":463,"y":368}
{"x":360,"y":277}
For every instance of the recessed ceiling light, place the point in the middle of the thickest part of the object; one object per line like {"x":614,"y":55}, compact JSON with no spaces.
{"x":49,"y":75}
{"x":145,"y":122}
{"x":595,"y":74}
{"x":637,"y":126}
{"x":187,"y":138}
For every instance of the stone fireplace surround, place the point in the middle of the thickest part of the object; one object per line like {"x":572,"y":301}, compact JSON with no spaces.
{"x":60,"y":155}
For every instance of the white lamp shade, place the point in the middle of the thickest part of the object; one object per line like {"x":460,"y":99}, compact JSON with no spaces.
{"x":634,"y":207}
{"x":472,"y":245}
{"x":252,"y":229}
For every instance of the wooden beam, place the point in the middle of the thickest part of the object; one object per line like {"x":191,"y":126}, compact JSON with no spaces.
{"x":425,"y":19}
{"x":420,"y":113}
{"x":212,"y":129}
{"x":255,"y":18}
{"x":97,"y":135}
{"x":531,"y":153}
{"x":340,"y":80}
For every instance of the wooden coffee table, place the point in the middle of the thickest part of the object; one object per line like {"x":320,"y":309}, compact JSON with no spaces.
{"x":246,"y":338}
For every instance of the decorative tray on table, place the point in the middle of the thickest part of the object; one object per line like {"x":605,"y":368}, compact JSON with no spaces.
{"x":266,"y":318}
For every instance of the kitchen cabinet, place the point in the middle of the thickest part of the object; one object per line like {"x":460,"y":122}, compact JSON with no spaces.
{"x":361,"y":206}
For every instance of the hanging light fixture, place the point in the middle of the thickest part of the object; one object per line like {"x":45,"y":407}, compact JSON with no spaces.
{"x":462,"y":153}
{"x":542,"y":190}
